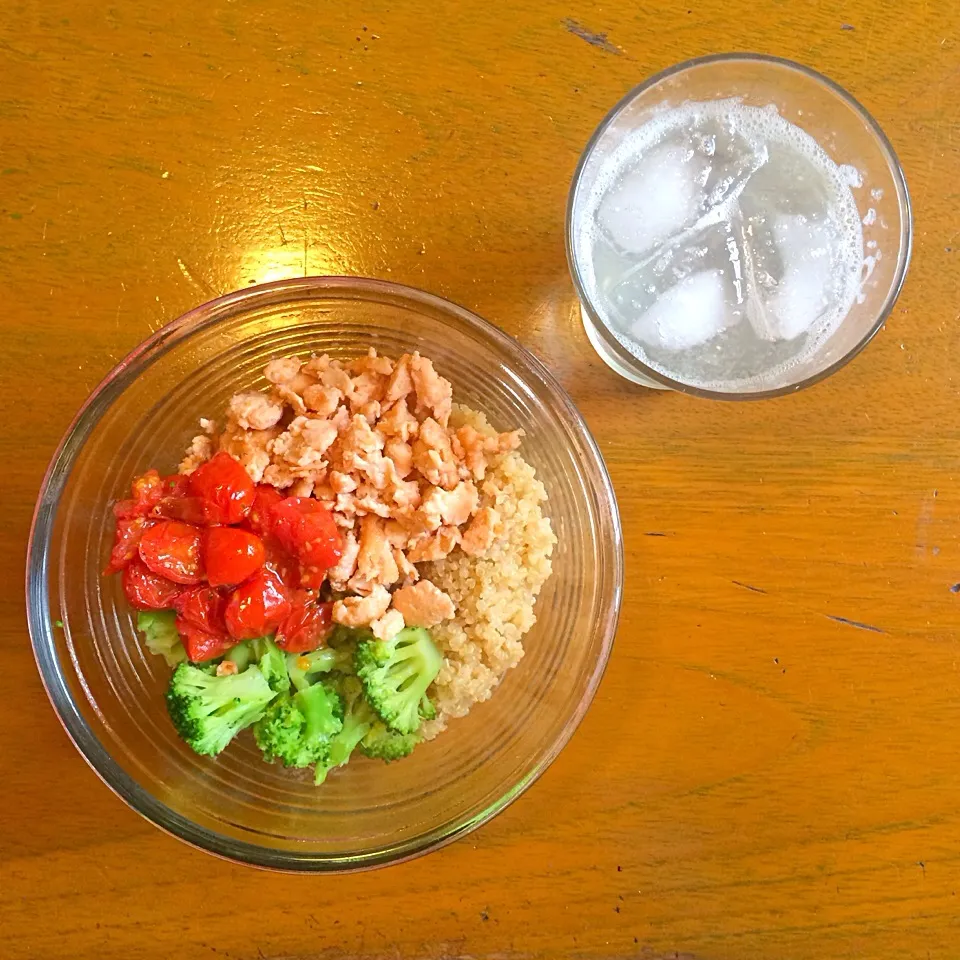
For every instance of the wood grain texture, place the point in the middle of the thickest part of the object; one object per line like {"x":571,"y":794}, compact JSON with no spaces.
{"x":770,"y":769}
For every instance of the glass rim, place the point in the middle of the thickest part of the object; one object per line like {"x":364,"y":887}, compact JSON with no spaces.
{"x":41,"y":627}
{"x":903,"y":196}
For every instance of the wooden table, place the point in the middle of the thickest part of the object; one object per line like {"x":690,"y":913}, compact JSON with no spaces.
{"x":772,"y":766}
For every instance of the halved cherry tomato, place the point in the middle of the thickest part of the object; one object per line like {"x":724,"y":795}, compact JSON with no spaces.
{"x":200,"y":623}
{"x":176,"y":485}
{"x":307,"y":625}
{"x":259,"y":519}
{"x":201,"y":645}
{"x":126,"y":540}
{"x":194,"y":510}
{"x":176,"y":503}
{"x":226,"y":487}
{"x":230,"y":555}
{"x":204,"y":608}
{"x":257,"y":606}
{"x":145,"y":491}
{"x":145,"y":590}
{"x":307,"y":529}
{"x":172,"y":550}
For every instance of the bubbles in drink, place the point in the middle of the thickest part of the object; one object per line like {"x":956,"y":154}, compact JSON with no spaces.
{"x":720,"y":244}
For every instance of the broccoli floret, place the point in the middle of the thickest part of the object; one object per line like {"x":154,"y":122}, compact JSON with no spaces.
{"x":298,"y":730}
{"x":358,"y":718}
{"x":396,"y":674}
{"x":272,"y":663}
{"x":302,"y":668}
{"x":382,"y":743}
{"x":159,"y":629}
{"x":209,"y":711}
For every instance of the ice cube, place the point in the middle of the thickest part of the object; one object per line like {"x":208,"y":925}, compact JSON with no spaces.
{"x":756,"y":280}
{"x":686,"y":315}
{"x":721,"y":206}
{"x":803,"y":292}
{"x":654,"y":201}
{"x":743,"y":157}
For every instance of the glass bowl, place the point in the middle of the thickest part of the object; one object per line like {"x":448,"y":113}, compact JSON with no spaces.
{"x":108,"y":691}
{"x":848,"y":134}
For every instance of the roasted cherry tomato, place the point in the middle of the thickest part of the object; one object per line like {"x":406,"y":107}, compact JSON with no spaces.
{"x":310,"y":577}
{"x":172,"y":550}
{"x":201,"y":624}
{"x":306,"y":528}
{"x":257,"y":606}
{"x":176,"y":503}
{"x":259,"y":519}
{"x":126,"y":541}
{"x":201,"y":645}
{"x":230,"y":555}
{"x":225,"y":486}
{"x":145,"y":590}
{"x":204,"y":608}
{"x":176,"y":485}
{"x":145,"y":491}
{"x":307,"y":626}
{"x":287,"y":568}
{"x":193,"y":510}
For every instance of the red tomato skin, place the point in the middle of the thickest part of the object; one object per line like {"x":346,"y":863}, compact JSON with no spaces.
{"x":193,"y":510}
{"x":323,"y":544}
{"x":259,"y":519}
{"x":199,"y":644}
{"x":145,"y":590}
{"x":257,"y":606}
{"x":306,"y":627}
{"x":226,"y":487}
{"x":231,"y":555}
{"x":305,"y":527}
{"x":282,"y":564}
{"x":171,"y":549}
{"x":126,"y":542}
{"x":176,"y":485}
{"x":285,"y":518}
{"x":203,"y":608}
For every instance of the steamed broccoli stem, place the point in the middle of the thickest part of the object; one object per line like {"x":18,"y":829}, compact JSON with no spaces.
{"x":272,"y":663}
{"x":302,"y":668}
{"x":297,"y":730}
{"x":208,"y":711}
{"x":382,"y":743}
{"x":358,"y":718}
{"x":396,"y":674}
{"x":241,"y":655}
{"x":159,"y":629}
{"x":427,"y":710}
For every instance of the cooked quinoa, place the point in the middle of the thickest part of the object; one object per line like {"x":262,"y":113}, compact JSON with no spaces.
{"x":494,"y":595}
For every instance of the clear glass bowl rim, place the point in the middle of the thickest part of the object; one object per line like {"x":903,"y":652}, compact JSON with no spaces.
{"x":40,"y":624}
{"x":906,"y":230}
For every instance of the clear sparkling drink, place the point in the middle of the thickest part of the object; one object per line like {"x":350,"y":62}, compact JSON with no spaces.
{"x":721,"y":245}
